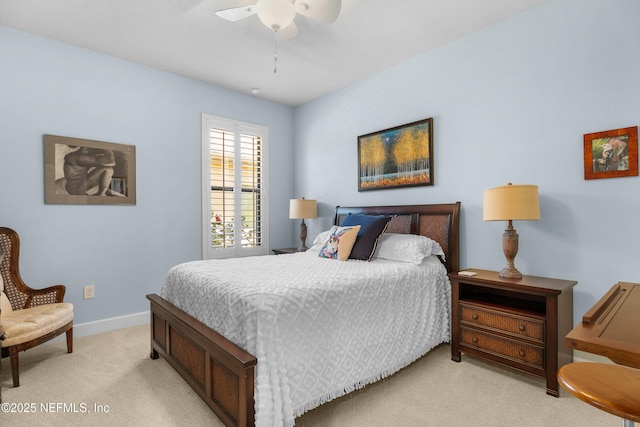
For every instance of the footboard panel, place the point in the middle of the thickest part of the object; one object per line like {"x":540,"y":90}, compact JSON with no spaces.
{"x":218,"y":370}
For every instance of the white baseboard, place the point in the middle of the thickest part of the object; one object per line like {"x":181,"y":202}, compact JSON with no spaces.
{"x":107,"y":325}
{"x":111,"y":324}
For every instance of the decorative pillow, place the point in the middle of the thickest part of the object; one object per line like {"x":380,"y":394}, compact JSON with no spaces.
{"x":5,"y":305}
{"x":339,"y":242}
{"x":371,"y":227}
{"x":407,"y":247}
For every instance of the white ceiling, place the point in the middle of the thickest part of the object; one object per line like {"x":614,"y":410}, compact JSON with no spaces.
{"x":186,"y":37}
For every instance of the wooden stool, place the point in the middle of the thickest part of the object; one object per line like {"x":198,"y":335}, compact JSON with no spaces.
{"x":611,"y":388}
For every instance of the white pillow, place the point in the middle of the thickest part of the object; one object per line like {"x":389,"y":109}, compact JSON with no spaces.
{"x":318,"y":242}
{"x":5,"y":305}
{"x":321,"y":237}
{"x":406,"y":248}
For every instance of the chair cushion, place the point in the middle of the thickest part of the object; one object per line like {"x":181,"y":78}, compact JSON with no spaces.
{"x":24,"y":325}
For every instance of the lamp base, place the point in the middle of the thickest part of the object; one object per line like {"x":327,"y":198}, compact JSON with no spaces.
{"x":510,"y":273}
{"x":303,"y":237}
{"x":510,"y":249}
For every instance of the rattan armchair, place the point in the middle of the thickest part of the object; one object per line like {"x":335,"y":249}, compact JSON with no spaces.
{"x":28,"y":317}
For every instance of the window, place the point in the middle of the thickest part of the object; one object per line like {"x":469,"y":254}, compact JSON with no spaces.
{"x":234,"y":202}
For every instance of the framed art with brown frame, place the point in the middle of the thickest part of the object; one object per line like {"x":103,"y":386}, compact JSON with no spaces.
{"x":611,"y":154}
{"x":397,"y":157}
{"x":86,"y":172}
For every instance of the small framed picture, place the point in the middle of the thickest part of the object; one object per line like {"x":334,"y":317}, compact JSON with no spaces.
{"x":398,"y":157}
{"x":86,"y":172}
{"x":611,"y":154}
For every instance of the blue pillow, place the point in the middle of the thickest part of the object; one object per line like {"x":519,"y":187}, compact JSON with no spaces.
{"x":371,"y":227}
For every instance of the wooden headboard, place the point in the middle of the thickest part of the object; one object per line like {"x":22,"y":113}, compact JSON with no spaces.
{"x":440,"y":222}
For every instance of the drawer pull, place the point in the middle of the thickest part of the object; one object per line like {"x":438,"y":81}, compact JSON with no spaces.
{"x":521,"y":353}
{"x":474,"y":317}
{"x":475,"y":340}
{"x":521,"y":327}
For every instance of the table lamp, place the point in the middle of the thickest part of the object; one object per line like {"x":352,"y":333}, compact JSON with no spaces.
{"x":301,"y":209}
{"x":511,"y":203}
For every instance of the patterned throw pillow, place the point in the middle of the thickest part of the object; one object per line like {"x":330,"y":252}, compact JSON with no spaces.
{"x":339,"y":243}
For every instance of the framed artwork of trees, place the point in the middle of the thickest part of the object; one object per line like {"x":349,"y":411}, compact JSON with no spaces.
{"x":398,"y":157}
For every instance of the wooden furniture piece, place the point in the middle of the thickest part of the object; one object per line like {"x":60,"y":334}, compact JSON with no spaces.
{"x":2,"y":334}
{"x":2,"y":337}
{"x":223,"y":374}
{"x":611,"y":388}
{"x":31,"y":316}
{"x":282,"y":251}
{"x":218,"y":370}
{"x":515,"y":322}
{"x":610,"y":327}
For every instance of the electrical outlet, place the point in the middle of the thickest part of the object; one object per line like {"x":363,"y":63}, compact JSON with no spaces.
{"x":88,"y":292}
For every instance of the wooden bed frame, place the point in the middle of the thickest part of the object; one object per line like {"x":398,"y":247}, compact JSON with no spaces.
{"x":223,"y":373}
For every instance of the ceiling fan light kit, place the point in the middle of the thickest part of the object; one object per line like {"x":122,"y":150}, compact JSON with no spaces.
{"x":281,"y":13}
{"x":278,"y":15}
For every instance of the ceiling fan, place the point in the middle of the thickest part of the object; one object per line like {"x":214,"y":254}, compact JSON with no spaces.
{"x":278,"y":15}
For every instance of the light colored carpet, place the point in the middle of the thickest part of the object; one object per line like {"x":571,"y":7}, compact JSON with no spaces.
{"x":114,"y":372}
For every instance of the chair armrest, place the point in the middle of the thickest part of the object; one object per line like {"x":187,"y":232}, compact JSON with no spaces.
{"x":52,"y":294}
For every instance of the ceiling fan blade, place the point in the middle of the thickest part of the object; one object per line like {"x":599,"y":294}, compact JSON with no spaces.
{"x":287,"y":33}
{"x":237,"y":13}
{"x":321,"y":10}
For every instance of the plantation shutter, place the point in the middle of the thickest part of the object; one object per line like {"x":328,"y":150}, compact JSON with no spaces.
{"x":234,"y":181}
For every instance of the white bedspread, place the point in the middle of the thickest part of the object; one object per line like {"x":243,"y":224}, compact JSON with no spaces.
{"x":320,"y":328}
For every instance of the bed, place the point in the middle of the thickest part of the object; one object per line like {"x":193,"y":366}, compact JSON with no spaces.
{"x":282,"y":357}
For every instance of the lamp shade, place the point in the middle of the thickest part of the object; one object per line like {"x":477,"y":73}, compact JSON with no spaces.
{"x":511,"y":202}
{"x":276,"y":14}
{"x":303,"y":208}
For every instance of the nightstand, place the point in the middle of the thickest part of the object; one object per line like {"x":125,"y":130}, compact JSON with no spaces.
{"x":285,"y":251}
{"x":519,"y":323}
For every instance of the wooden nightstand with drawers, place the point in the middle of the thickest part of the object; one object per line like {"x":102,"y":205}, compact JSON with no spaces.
{"x":519,"y":323}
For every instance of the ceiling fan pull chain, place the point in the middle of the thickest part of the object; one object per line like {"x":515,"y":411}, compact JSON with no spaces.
{"x":275,"y":52}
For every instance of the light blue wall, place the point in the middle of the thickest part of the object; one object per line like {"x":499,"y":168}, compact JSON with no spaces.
{"x":48,"y":87}
{"x":510,"y":104}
